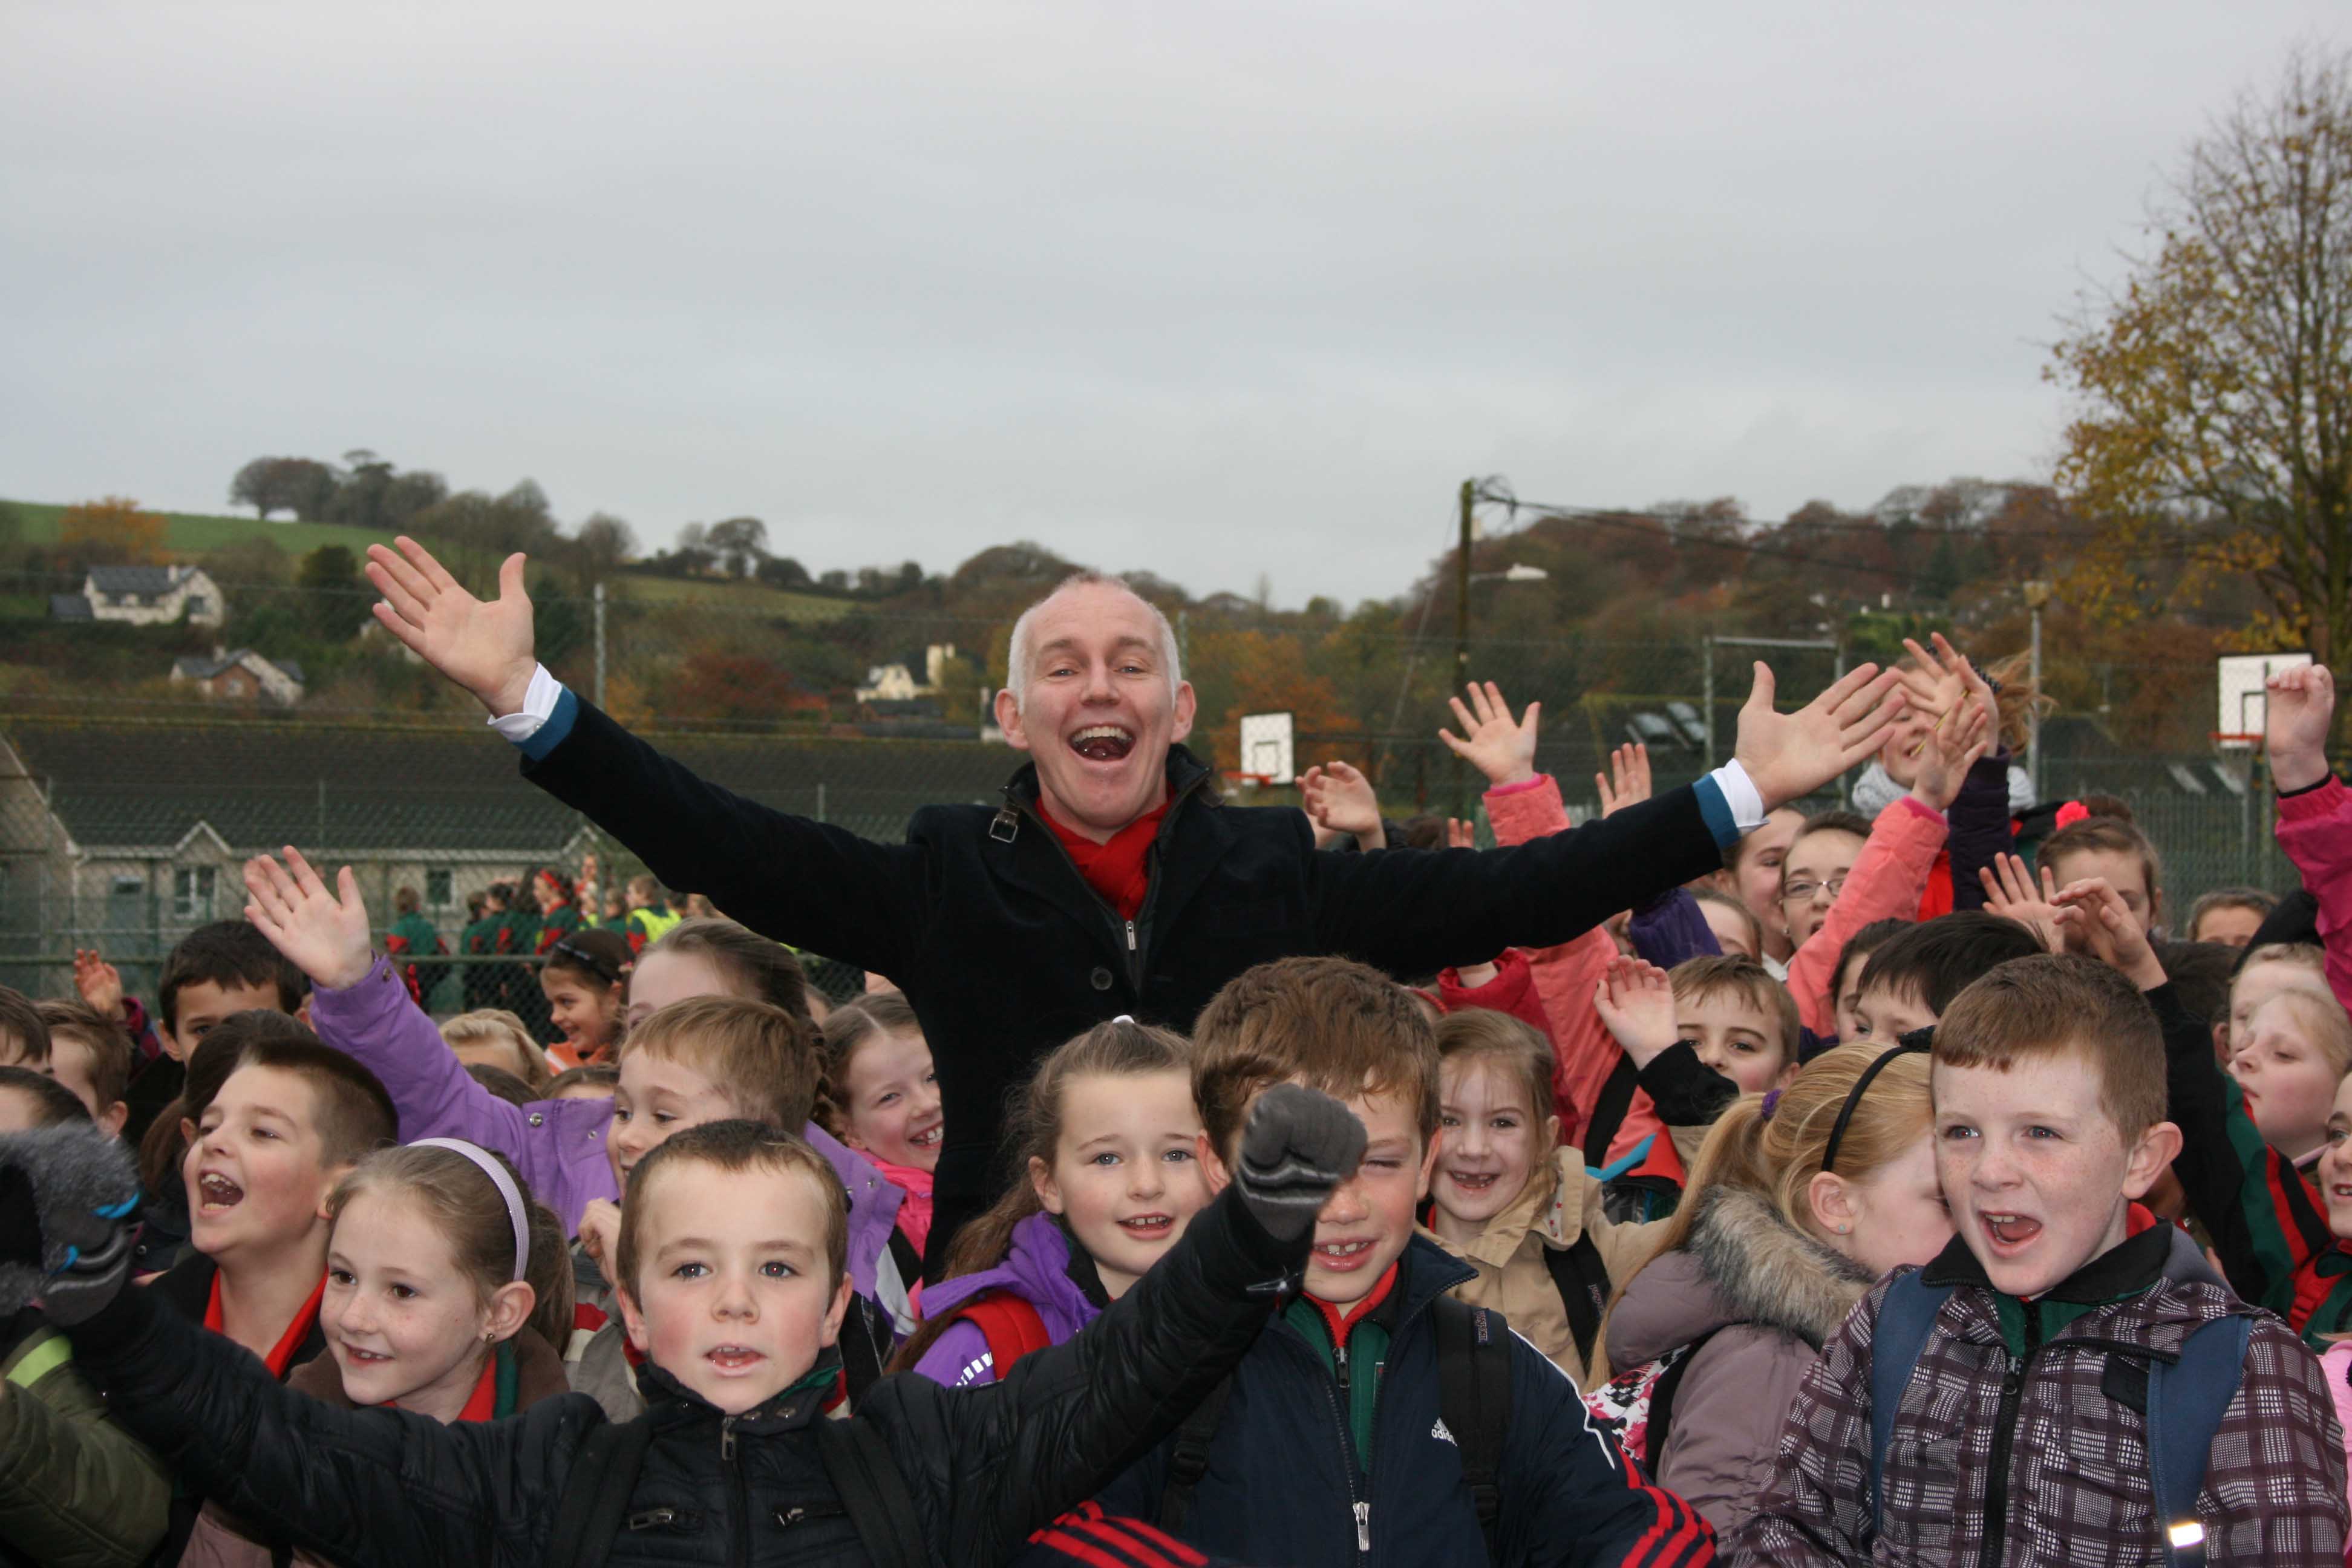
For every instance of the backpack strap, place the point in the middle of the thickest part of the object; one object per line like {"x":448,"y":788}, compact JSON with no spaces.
{"x":1011,"y":1325}
{"x":1661,"y":1401}
{"x":872,"y":1491}
{"x":1906,"y":1316}
{"x":1188,"y":1461}
{"x":903,"y":1254}
{"x":1474,"y":1398}
{"x":596,"y":1493}
{"x":2186,"y":1402}
{"x":1608,"y":1107}
{"x":1582,"y":1280}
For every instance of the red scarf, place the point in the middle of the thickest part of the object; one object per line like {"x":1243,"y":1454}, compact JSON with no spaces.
{"x":915,"y":1208}
{"x":1119,"y":870}
{"x":289,"y":1342}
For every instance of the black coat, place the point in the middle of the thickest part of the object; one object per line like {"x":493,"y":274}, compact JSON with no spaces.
{"x":985,"y":1466}
{"x":1004,"y":951}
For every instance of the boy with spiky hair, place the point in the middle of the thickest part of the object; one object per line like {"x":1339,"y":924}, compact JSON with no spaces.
{"x":2069,"y":1382}
{"x":1333,"y":1443}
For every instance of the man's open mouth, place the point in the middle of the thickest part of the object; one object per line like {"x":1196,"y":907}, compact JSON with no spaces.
{"x":1103,"y":742}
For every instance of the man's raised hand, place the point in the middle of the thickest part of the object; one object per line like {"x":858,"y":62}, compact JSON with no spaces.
{"x":484,"y":646}
{"x":2298,"y":710}
{"x":324,"y":936}
{"x":1498,"y":746}
{"x":1789,"y":755}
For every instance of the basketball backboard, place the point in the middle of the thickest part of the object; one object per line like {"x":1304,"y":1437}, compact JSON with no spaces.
{"x":1266,"y":747}
{"x":2241,"y":705}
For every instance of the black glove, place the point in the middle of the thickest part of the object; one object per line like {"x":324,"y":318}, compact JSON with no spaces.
{"x":69,"y":1197}
{"x":1298,"y":1146}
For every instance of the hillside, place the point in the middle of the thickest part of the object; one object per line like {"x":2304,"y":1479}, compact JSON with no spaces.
{"x":193,"y":534}
{"x":197,"y":533}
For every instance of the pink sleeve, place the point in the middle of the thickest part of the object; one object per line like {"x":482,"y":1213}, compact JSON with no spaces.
{"x":2314,"y":828}
{"x":1565,"y":976}
{"x":1885,"y":883}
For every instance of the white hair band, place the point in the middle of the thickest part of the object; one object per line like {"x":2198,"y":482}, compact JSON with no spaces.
{"x":498,"y":1179}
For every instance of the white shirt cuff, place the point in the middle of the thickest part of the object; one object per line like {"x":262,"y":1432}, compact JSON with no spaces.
{"x":1739,"y":793}
{"x":539,"y":707}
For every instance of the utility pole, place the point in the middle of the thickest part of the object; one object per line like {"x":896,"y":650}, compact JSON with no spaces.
{"x":1462,"y":632}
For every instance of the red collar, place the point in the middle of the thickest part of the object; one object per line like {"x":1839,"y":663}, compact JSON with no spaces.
{"x":1118,"y":870}
{"x":287,"y":1342}
{"x":1341,"y":1324}
{"x":483,"y":1403}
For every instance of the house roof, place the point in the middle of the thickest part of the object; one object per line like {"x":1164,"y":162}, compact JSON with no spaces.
{"x":138,"y":579}
{"x":70,"y":607}
{"x":203,"y":667}
{"x":346,"y":788}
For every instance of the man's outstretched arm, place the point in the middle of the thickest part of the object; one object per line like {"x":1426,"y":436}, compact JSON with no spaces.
{"x":804,"y":882}
{"x":1410,"y":912}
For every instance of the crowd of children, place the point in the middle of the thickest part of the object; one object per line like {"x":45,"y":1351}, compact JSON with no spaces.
{"x":1902,"y":1191}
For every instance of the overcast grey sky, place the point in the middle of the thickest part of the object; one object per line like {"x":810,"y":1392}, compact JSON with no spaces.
{"x":1214,"y":289}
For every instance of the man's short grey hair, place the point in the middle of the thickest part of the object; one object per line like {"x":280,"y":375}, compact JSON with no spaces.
{"x":1021,"y":658}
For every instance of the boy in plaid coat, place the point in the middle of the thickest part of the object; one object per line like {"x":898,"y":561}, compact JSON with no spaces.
{"x":2021,"y":1437}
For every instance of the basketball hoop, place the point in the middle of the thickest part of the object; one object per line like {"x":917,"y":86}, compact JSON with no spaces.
{"x":1244,"y":783}
{"x":2231,"y":742}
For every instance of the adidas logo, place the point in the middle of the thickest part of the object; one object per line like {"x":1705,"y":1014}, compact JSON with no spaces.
{"x":1441,"y":1434}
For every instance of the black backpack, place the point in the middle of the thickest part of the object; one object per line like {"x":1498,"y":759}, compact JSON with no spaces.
{"x":1473,"y":1399}
{"x":594,"y":1508}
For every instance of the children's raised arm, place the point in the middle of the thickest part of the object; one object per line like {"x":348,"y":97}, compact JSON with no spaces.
{"x":360,"y":1007}
{"x":2314,"y":809}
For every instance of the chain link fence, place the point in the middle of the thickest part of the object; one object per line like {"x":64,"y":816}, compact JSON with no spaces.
{"x":141,"y":763}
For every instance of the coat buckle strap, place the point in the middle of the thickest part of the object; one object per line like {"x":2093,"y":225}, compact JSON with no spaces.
{"x":1005,"y":826}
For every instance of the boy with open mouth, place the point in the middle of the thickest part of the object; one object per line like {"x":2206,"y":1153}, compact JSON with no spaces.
{"x":2069,"y":1382}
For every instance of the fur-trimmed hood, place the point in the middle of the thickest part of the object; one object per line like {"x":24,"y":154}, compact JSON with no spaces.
{"x":1743,"y":1264}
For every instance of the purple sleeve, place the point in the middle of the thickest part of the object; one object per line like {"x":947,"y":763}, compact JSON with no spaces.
{"x":557,"y":1144}
{"x":957,"y":1358}
{"x":1979,"y":819}
{"x":1673,"y":930}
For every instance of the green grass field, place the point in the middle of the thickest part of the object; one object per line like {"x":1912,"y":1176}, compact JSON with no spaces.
{"x":194,"y":533}
{"x":191,"y":534}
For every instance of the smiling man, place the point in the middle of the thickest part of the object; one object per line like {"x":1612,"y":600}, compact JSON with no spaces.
{"x":1111,"y":880}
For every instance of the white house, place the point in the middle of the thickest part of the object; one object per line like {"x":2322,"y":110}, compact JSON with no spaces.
{"x":896,"y":682}
{"x":144,"y":595}
{"x":241,"y":675}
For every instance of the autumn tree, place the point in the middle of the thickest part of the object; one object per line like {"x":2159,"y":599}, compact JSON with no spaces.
{"x":2212,"y":435}
{"x":111,"y":533}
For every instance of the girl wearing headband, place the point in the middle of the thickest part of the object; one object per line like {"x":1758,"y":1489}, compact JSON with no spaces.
{"x":439,"y":1261}
{"x":586,"y":982}
{"x":1798,"y":1202}
{"x":448,"y":1294}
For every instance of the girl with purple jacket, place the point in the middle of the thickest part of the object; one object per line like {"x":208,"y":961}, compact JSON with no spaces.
{"x":1108,"y":1138}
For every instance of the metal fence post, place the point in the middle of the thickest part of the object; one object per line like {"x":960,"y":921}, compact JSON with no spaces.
{"x":600,"y":642}
{"x":1707,"y":701}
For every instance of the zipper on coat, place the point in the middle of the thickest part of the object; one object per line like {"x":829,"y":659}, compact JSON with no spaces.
{"x":1132,"y":930}
{"x":1359,"y":1506}
{"x":740,"y":1553}
{"x":1996,"y":1515}
{"x":1339,"y":1364}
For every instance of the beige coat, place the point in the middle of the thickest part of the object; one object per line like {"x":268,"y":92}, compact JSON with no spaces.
{"x":1513,"y":1277}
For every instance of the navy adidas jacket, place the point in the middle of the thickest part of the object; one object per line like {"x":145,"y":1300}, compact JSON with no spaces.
{"x":1283,"y":1484}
